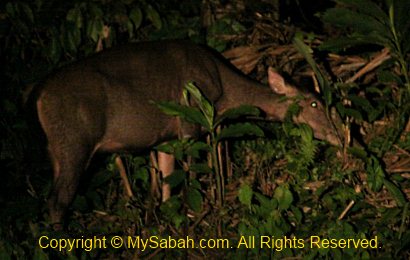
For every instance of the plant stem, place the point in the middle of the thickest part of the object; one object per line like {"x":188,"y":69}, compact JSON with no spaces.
{"x":219,"y":188}
{"x":398,"y":51}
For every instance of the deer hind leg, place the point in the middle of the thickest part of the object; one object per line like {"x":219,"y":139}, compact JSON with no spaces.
{"x":166,"y":164}
{"x":155,"y":190}
{"x":123,"y":175}
{"x":69,"y":162}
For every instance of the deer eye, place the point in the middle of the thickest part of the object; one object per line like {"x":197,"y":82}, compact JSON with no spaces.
{"x":313,"y":104}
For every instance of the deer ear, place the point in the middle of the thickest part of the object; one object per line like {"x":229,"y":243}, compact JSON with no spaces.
{"x":277,"y":83}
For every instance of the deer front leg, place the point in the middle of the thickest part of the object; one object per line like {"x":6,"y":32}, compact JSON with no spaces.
{"x":166,"y":163}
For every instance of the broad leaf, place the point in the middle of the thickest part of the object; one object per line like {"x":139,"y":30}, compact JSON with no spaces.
{"x":136,"y":17}
{"x":194,"y":199}
{"x":233,"y":113}
{"x":74,"y":16}
{"x":190,"y":114}
{"x":95,"y":28}
{"x":176,"y":178}
{"x":284,"y":197}
{"x":359,"y":22}
{"x":375,"y":174}
{"x":245,"y":195}
{"x":345,"y":111}
{"x":367,"y":7}
{"x":171,"y":209}
{"x":154,"y":17}
{"x":396,"y":192}
{"x":205,"y":106}
{"x":239,"y":130}
{"x":200,"y":168}
{"x":401,"y":17}
{"x":342,"y":43}
{"x":197,"y":147}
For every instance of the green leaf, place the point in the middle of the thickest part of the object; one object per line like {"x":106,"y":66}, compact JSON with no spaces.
{"x":375,"y":174}
{"x":130,"y":29}
{"x":307,"y":147}
{"x":233,"y":113}
{"x":205,"y":106}
{"x":353,"y":113}
{"x":96,"y":12}
{"x":297,"y":213}
{"x":345,"y":111}
{"x":95,"y":29}
{"x":367,"y":7}
{"x":190,"y":114}
{"x":136,"y":17}
{"x":53,"y":52}
{"x":388,"y":77}
{"x":178,"y":151}
{"x":39,"y":254}
{"x":27,"y":11}
{"x":342,"y":43}
{"x":138,"y":161}
{"x":245,"y":194}
{"x":219,"y":27}
{"x":171,"y":209}
{"x":75,"y":33}
{"x":194,"y":199}
{"x":165,"y":147}
{"x":195,"y":184}
{"x":71,"y":37}
{"x":74,"y":16}
{"x":171,"y":108}
{"x":200,"y":168}
{"x":176,"y":178}
{"x":401,"y":17}
{"x":406,"y":42}
{"x":396,"y":192}
{"x":266,"y":204}
{"x":324,"y":84}
{"x":239,"y":130}
{"x":11,"y":10}
{"x":154,"y":17}
{"x":361,"y":102}
{"x":237,"y":27}
{"x":358,"y":152}
{"x":284,"y":197}
{"x":306,"y":132}
{"x":197,"y":147}
{"x":141,"y":174}
{"x":359,"y":22}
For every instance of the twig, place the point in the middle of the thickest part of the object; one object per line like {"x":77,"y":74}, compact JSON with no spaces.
{"x":124,"y":177}
{"x":346,"y":210}
{"x":379,"y":59}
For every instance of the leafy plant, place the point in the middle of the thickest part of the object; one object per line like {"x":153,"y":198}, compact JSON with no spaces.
{"x":202,"y":112}
{"x":382,"y":24}
{"x":374,"y":24}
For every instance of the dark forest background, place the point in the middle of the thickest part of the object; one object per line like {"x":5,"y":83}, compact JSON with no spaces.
{"x":284,"y":183}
